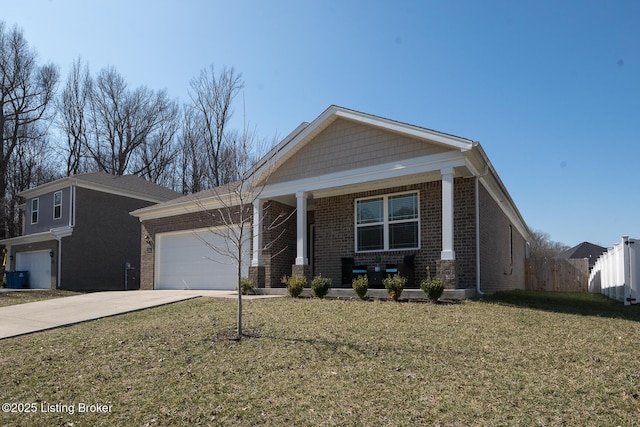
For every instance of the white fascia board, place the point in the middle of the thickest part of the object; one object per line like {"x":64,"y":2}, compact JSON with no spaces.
{"x":480,"y":165}
{"x":406,"y":129}
{"x":304,"y":132}
{"x":53,"y":234}
{"x":222,"y":201}
{"x":387,"y":171}
{"x":69,"y":181}
{"x":117,"y":191}
{"x":48,"y":187}
{"x":506,"y":205}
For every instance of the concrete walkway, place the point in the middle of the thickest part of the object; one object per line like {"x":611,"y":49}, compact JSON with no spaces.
{"x":31,"y":317}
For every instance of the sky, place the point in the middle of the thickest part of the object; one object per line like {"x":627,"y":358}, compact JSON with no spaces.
{"x":551,"y":89}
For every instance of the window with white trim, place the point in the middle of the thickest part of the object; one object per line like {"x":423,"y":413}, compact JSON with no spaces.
{"x":35,"y":208}
{"x":57,"y":205}
{"x":389,"y":222}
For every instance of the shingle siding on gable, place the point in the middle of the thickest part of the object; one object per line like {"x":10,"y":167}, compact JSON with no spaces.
{"x":345,"y":145}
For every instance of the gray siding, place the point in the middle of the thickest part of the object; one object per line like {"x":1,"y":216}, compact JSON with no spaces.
{"x":45,"y":212}
{"x":104,"y":238}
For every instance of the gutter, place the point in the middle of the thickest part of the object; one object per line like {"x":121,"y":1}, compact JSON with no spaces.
{"x":477,"y":191}
{"x":478,"y":290}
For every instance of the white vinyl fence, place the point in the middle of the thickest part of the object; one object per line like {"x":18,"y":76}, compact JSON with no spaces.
{"x":616,"y":273}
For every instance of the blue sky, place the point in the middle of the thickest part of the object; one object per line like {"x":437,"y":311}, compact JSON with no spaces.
{"x":551,"y":89}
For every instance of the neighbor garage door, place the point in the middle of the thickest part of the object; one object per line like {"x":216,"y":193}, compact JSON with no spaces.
{"x":184,"y":261}
{"x":38,"y":264}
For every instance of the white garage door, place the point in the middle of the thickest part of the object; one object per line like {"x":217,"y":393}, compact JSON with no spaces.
{"x":184,"y":261}
{"x":38,"y":264}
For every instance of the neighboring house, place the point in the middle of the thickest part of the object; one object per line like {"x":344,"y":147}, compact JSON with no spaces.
{"x":355,"y":188}
{"x":583,"y":250}
{"x":78,"y":234}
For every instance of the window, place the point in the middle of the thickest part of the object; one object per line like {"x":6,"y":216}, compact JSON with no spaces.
{"x":389,"y":222}
{"x":57,"y":205}
{"x":35,"y":205}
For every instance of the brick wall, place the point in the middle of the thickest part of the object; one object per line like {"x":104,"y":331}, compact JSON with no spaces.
{"x":496,"y":271}
{"x":335,"y":231}
{"x":279,"y":242}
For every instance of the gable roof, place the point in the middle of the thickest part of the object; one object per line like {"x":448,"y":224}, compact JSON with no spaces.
{"x":127,"y":185}
{"x":583,"y":250}
{"x":306,"y":132}
{"x":213,"y":198}
{"x":462,"y":153}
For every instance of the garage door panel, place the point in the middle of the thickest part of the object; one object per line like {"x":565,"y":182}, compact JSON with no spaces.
{"x":38,"y":264}
{"x":185,"y":261}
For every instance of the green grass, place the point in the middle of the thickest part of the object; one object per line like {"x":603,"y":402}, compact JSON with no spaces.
{"x":512,"y":359}
{"x":21,"y":297}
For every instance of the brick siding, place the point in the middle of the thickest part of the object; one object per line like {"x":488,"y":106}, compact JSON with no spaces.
{"x":189,"y":221}
{"x":496,"y":271}
{"x":335,"y":232}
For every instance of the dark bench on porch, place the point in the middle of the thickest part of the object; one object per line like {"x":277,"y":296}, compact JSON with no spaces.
{"x":406,"y":269}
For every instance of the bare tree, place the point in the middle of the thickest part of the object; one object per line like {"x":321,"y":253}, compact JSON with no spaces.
{"x":132,"y":130}
{"x":543,"y":247}
{"x":32,"y":164}
{"x":73,"y":109}
{"x":26,"y":94}
{"x":193,"y":157}
{"x":211,"y":99}
{"x":234,"y":218}
{"x":157,"y":153}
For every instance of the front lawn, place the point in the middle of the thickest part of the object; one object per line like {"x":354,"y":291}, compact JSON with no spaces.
{"x":21,"y":297}
{"x":332,"y":362}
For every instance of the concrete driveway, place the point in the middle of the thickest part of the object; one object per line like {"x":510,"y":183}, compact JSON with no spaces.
{"x":31,"y":317}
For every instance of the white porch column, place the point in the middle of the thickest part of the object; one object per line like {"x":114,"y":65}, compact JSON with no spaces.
{"x":301,"y":229}
{"x":447,"y":215}
{"x":256,"y":259}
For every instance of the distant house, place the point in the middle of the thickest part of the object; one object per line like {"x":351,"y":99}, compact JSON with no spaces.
{"x":360,"y":192}
{"x":583,"y":250}
{"x":78,"y":234}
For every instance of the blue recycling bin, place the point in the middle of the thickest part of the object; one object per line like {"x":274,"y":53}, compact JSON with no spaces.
{"x":17,"y":279}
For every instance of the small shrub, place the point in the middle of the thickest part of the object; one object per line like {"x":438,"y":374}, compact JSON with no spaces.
{"x":247,"y":286}
{"x":320,"y":286}
{"x":360,"y":286}
{"x":295,"y":283}
{"x":394,"y":285}
{"x":432,"y":287}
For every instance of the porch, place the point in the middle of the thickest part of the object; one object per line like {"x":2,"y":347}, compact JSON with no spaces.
{"x":319,"y":234}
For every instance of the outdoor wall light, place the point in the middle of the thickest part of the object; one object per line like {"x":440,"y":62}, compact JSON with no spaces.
{"x":149,"y":246}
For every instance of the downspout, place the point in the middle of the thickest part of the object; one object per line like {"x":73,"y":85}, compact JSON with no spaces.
{"x":478,"y":290}
{"x":59,"y":262}
{"x":72,"y":202}
{"x":486,"y":171}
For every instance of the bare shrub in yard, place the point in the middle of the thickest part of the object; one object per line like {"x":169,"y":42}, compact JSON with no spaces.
{"x":247,"y":286}
{"x":320,"y":286}
{"x":294,"y":283}
{"x":432,"y":287}
{"x":361,"y":286}
{"x":394,"y":285}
